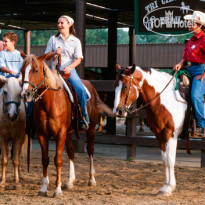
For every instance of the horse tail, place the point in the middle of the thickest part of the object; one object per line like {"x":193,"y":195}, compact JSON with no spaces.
{"x":103,"y":109}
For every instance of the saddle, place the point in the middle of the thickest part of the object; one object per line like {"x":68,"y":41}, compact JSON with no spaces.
{"x":184,"y":88}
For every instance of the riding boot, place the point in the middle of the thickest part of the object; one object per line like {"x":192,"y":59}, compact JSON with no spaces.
{"x":84,"y":123}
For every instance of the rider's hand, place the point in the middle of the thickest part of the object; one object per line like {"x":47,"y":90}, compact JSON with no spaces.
{"x":67,"y":70}
{"x":177,"y":67}
{"x":202,"y":76}
{"x":58,"y":51}
{"x":13,"y":73}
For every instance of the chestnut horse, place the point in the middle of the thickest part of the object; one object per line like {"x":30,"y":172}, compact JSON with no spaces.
{"x":52,"y":117}
{"x":165,"y":115}
{"x":12,"y":126}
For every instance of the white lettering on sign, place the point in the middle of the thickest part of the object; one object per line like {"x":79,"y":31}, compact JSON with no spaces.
{"x":166,"y":1}
{"x":149,"y":8}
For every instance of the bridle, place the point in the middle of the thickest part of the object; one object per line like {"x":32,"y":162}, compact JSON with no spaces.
{"x":5,"y":104}
{"x":35,"y":88}
{"x":131,"y":112}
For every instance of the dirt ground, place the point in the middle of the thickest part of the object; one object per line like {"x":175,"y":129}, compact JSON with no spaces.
{"x":118,"y":182}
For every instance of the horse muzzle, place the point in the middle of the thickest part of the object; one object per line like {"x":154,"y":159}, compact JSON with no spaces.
{"x":121,"y":112}
{"x":28,"y":95}
{"x":12,"y":116}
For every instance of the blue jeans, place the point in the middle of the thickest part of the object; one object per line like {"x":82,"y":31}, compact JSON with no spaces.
{"x":81,"y":93}
{"x":197,"y":93}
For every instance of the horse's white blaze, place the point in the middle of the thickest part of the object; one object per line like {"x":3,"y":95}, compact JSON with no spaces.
{"x":117,"y":96}
{"x":26,"y":78}
{"x":45,"y":182}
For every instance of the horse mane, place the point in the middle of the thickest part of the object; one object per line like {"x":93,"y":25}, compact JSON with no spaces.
{"x":53,"y":78}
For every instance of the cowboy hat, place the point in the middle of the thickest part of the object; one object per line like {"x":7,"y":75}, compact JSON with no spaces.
{"x":197,"y":16}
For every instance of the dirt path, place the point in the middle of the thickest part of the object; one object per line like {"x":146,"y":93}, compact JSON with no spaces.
{"x":118,"y":182}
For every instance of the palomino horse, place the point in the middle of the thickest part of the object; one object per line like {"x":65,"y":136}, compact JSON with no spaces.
{"x":12,"y":126}
{"x":52,"y":117}
{"x":165,"y":115}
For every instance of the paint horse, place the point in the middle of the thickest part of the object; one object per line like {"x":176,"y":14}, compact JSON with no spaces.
{"x":12,"y":126}
{"x":52,"y":117}
{"x":165,"y":115}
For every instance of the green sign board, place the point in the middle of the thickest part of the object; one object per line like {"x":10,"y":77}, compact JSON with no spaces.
{"x":164,"y":16}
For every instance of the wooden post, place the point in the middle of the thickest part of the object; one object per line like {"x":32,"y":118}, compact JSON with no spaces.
{"x":80,"y":31}
{"x":27,"y":43}
{"x":111,"y":71}
{"x":131,"y":122}
{"x":202,"y":158}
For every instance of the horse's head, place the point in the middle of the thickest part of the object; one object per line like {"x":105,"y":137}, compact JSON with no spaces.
{"x":33,"y":75}
{"x":11,"y":97}
{"x":126,"y":89}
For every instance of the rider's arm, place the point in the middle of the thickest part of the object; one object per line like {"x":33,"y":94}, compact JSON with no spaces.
{"x":74,"y":64}
{"x":179,"y":65}
{"x":6,"y":70}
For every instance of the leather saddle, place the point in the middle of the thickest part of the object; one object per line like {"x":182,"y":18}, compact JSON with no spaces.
{"x":184,"y":87}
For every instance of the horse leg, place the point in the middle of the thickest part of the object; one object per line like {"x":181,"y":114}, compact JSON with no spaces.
{"x":45,"y":162}
{"x":100,"y":127}
{"x":141,"y":125}
{"x":168,"y":158}
{"x":90,"y":150}
{"x":17,"y":144}
{"x":60,"y":142}
{"x":70,"y":152}
{"x":4,"y":151}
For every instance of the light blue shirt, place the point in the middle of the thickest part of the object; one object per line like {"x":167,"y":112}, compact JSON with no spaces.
{"x":71,"y":49}
{"x":11,"y":60}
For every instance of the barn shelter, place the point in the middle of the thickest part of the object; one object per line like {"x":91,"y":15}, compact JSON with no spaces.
{"x":28,"y":15}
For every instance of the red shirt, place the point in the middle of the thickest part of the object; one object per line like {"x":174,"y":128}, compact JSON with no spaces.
{"x":195,"y":49}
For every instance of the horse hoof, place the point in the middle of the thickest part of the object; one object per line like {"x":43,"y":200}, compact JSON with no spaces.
{"x":69,"y":186}
{"x":58,"y":194}
{"x":164,"y":193}
{"x":91,"y":183}
{"x":40,"y":193}
{"x":2,"y":188}
{"x":18,"y":187}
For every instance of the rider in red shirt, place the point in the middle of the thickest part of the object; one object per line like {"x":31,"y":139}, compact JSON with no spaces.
{"x":194,"y":53}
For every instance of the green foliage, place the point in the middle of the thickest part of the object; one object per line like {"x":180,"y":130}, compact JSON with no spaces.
{"x":99,"y":36}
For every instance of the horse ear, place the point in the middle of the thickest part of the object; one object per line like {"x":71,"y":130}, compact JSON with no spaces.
{"x":118,"y":67}
{"x":23,"y":55}
{"x":3,"y":78}
{"x":43,"y":57}
{"x":132,"y":69}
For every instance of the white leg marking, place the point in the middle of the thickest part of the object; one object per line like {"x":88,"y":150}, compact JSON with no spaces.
{"x":58,"y":191}
{"x":169,"y":159}
{"x":71,"y":179}
{"x":45,"y":182}
{"x":92,"y":181}
{"x":117,"y":96}
{"x":26,"y":78}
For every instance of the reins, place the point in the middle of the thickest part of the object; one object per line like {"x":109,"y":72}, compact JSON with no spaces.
{"x":154,"y":98}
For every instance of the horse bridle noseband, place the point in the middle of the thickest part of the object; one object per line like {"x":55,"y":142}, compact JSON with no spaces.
{"x":35,"y":88}
{"x":154,"y":98}
{"x":5,"y":104}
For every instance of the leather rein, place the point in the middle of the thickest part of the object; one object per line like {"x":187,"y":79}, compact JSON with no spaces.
{"x":36,"y":87}
{"x":131,"y":112}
